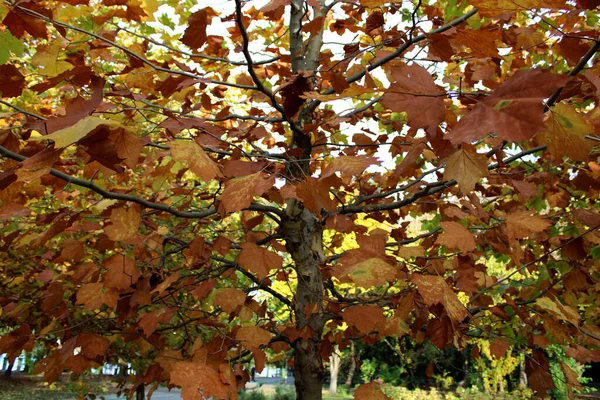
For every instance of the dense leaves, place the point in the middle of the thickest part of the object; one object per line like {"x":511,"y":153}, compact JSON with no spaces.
{"x":187,"y":188}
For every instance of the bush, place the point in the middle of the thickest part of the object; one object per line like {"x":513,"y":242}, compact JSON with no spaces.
{"x":242,"y":395}
{"x":284,"y":393}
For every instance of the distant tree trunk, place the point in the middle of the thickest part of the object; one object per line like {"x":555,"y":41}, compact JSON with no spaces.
{"x":334,"y":369}
{"x":9,"y":368}
{"x":522,"y":374}
{"x":352,"y":367}
{"x":140,"y":392}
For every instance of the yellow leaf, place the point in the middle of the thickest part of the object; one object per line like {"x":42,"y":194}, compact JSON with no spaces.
{"x":198,"y":161}
{"x":125,"y":223}
{"x":565,"y":134}
{"x":67,"y":136}
{"x":46,"y":59}
{"x":372,"y":272}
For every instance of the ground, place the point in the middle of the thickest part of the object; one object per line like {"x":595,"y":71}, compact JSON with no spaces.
{"x":33,"y":388}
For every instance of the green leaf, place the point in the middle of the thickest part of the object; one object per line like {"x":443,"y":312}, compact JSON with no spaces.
{"x":596,"y":252}
{"x":9,"y":44}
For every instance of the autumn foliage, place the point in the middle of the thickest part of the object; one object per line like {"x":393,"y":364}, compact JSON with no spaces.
{"x":187,"y":188}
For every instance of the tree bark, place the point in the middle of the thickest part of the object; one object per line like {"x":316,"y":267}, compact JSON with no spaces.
{"x":9,"y":368}
{"x":140,"y":392}
{"x":304,"y":241}
{"x":334,"y":370}
{"x":352,"y":367}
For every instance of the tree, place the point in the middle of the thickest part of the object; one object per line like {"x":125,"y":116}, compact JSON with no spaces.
{"x":168,"y":166}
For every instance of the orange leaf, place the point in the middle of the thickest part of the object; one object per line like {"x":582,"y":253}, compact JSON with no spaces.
{"x":466,"y":168}
{"x":253,"y":335}
{"x":240,"y":192}
{"x":370,"y":391}
{"x":522,"y":223}
{"x":364,"y":318}
{"x":121,"y":272}
{"x":198,"y":381}
{"x":125,"y":223}
{"x":198,"y":161}
{"x":229,"y":299}
{"x":259,"y":260}
{"x":456,"y":236}
{"x":94,"y":295}
{"x":435,"y":290}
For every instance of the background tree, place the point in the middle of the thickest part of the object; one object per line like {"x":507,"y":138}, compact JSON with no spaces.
{"x":168,"y":166}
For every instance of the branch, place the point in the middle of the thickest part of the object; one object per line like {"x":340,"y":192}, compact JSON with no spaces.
{"x":363,"y":108}
{"x":397,"y":53}
{"x":131,"y":53}
{"x":22,"y":111}
{"x":259,"y":85}
{"x":428,"y":190}
{"x":593,"y":50}
{"x":197,"y":55}
{"x":259,"y":284}
{"x":134,"y":199}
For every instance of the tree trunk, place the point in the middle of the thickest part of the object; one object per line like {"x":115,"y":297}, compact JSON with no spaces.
{"x":140,"y":392}
{"x":334,"y":369}
{"x":304,"y":241}
{"x":352,"y":367}
{"x":9,"y":368}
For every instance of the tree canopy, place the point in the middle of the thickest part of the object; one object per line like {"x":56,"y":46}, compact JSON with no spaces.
{"x":187,"y":187}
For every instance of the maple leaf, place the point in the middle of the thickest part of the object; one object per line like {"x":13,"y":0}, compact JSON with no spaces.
{"x":370,"y":391}
{"x":537,"y":368}
{"x":121,"y":272}
{"x":350,"y":166}
{"x":495,"y":8}
{"x":372,"y":272}
{"x":253,"y":335}
{"x":467,"y":168}
{"x":522,"y":223}
{"x":197,"y":381}
{"x":259,"y":260}
{"x":12,"y":82}
{"x":415,"y":92}
{"x":94,"y":295}
{"x":92,"y":345}
{"x":125,"y":223}
{"x":435,"y":290}
{"x":229,"y":299}
{"x":198,"y":161}
{"x":514,"y":111}
{"x":74,"y":133}
{"x":149,"y":322}
{"x":456,"y":236}
{"x":565,"y":133}
{"x":364,"y":318}
{"x":239,"y":192}
{"x":195,"y":34}
{"x":38,"y":165}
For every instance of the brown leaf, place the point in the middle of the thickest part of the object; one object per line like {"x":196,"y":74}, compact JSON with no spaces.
{"x":364,"y":318}
{"x":499,"y":347}
{"x":259,"y":260}
{"x":537,"y":368}
{"x":253,"y":335}
{"x":371,"y":390}
{"x":198,"y":381}
{"x":415,"y":92}
{"x":239,"y":192}
{"x":198,"y":161}
{"x":495,"y":8}
{"x":467,"y":168}
{"x":435,"y":290}
{"x":347,"y":165}
{"x":121,"y":272}
{"x":514,"y":112}
{"x":195,"y":34}
{"x":229,"y":299}
{"x":94,"y":295}
{"x":125,"y":223}
{"x":523,"y":223}
{"x":12,"y":82}
{"x":13,"y":210}
{"x":92,"y":345}
{"x":456,"y":236}
{"x":18,"y":22}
